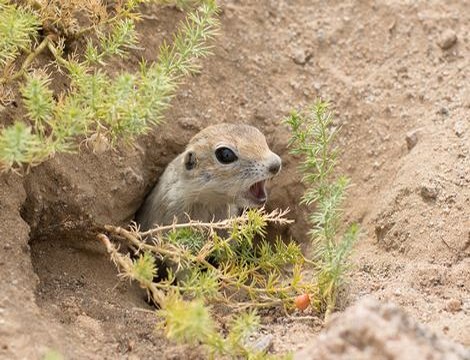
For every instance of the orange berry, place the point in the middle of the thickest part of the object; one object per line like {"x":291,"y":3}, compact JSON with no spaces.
{"x":302,"y":302}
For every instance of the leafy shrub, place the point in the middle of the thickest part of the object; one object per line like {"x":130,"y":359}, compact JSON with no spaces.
{"x":313,"y":139}
{"x":102,"y":108}
{"x":247,"y":276}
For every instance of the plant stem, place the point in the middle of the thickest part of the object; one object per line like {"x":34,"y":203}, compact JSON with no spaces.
{"x":29,"y":59}
{"x":157,"y":295}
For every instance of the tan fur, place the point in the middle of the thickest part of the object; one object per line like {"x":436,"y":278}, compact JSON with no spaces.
{"x":210,"y":190}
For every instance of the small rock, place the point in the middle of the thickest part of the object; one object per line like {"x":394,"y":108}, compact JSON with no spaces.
{"x":443,"y":111}
{"x":294,"y":84}
{"x":429,"y":191}
{"x":447,"y":39}
{"x":372,"y":330}
{"x":459,"y":128}
{"x":411,"y":139}
{"x":453,"y":305}
{"x":300,"y":57}
{"x":262,"y":344}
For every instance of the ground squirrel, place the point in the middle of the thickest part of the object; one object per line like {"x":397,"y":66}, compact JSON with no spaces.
{"x":223,"y":169}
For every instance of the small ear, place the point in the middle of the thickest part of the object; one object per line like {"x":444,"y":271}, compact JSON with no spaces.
{"x":190,"y":160}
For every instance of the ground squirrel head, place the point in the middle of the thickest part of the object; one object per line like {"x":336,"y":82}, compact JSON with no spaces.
{"x":229,"y":163}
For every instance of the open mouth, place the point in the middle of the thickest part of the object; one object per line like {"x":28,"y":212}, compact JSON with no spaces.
{"x":258,"y":192}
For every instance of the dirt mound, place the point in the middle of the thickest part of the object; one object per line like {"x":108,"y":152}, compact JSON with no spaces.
{"x":370,"y":330}
{"x":397,"y":73}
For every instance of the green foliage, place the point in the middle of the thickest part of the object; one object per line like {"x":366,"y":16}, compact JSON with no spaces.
{"x":104,"y":109}
{"x":334,"y":265}
{"x":250,"y":274}
{"x":123,"y":36}
{"x":18,"y":30}
{"x":38,"y":100}
{"x":246,"y":274}
{"x":190,"y":322}
{"x":242,"y":327}
{"x":276,"y":255}
{"x":201,"y":284}
{"x":18,"y":145}
{"x":187,"y":237}
{"x":326,"y":218}
{"x":312,"y":138}
{"x":186,"y":321}
{"x":255,"y":225}
{"x":144,"y":269}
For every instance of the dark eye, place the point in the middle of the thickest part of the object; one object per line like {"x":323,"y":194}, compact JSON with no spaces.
{"x":225,"y":155}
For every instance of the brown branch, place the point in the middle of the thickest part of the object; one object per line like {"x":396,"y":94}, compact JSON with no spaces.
{"x":29,"y":59}
{"x":157,"y":295}
{"x":136,"y":240}
{"x":228,"y":280}
{"x":276,"y":216}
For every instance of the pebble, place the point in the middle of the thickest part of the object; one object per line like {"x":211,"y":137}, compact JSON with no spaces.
{"x":429,"y":192}
{"x":447,"y":39}
{"x":300,"y":57}
{"x":294,"y":84}
{"x":443,"y":111}
{"x":453,"y":305}
{"x":411,"y":139}
{"x":262,"y":344}
{"x":459,"y":128}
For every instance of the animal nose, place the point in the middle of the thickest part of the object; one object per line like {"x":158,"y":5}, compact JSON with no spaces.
{"x":275,"y":165}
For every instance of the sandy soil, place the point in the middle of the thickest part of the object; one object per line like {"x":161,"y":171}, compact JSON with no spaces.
{"x":397,"y":73}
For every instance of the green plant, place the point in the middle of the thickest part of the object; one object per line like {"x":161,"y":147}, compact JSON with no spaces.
{"x":312,"y":138}
{"x":191,"y":322}
{"x":227,"y":269}
{"x":244,"y":275}
{"x":98,"y":106}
